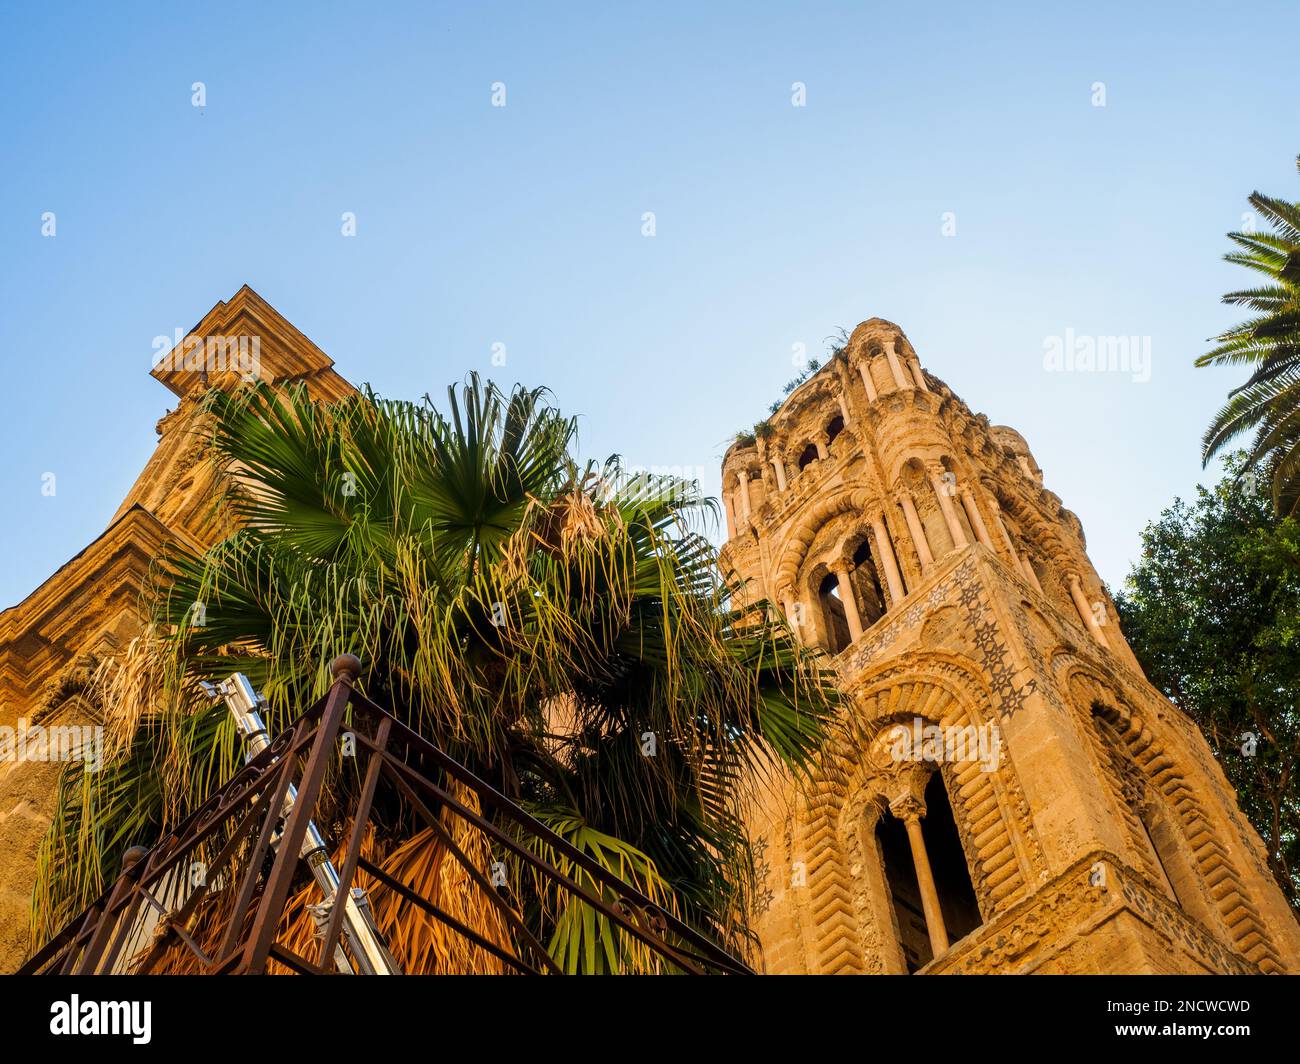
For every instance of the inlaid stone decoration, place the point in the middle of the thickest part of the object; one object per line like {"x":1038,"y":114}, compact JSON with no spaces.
{"x":1008,"y":792}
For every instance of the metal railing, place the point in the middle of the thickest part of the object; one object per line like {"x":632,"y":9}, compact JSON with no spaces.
{"x":248,"y":839}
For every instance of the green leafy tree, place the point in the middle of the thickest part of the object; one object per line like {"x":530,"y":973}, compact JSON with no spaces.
{"x":1212,"y":611}
{"x":536,"y":619}
{"x":1269,"y":344}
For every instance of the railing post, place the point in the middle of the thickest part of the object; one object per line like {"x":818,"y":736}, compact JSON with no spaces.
{"x":346,"y":669}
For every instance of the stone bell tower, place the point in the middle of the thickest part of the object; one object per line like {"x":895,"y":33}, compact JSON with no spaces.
{"x":1007,"y":792}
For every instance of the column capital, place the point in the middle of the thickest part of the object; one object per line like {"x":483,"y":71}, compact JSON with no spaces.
{"x":907,"y":807}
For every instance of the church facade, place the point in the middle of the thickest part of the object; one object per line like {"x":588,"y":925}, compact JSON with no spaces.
{"x":1007,"y":792}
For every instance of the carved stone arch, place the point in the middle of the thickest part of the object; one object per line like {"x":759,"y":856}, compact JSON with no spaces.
{"x":73,"y":687}
{"x":990,"y":812}
{"x":1114,"y":724}
{"x":809,"y":524}
{"x":847,"y":439}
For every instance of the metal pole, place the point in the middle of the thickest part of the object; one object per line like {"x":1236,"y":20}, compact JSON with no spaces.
{"x":370,"y":954}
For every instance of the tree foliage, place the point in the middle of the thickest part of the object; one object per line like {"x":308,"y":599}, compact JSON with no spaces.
{"x":535,"y":618}
{"x":1212,"y":611}
{"x":1269,"y":343}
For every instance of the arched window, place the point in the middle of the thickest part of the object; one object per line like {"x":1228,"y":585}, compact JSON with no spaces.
{"x":809,"y":455}
{"x":1180,"y":878}
{"x":833,"y":616}
{"x":904,"y":893}
{"x":1166,"y":843}
{"x":961,"y":912}
{"x":947,"y":871}
{"x":869,"y":594}
{"x":835,"y":427}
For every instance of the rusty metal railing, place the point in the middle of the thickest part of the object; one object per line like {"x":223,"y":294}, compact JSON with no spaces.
{"x":231,"y":919}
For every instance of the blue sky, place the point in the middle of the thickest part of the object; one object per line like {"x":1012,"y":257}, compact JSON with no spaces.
{"x":775,"y":225}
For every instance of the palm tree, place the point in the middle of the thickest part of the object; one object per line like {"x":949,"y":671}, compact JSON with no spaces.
{"x":1269,"y":401}
{"x":535,"y":619}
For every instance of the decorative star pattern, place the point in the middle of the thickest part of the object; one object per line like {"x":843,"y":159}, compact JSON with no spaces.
{"x":990,"y":647}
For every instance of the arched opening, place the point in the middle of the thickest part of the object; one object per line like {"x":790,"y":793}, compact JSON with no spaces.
{"x":951,"y":482}
{"x":1178,"y":871}
{"x":868,"y":592}
{"x":834,"y":617}
{"x":951,"y":876}
{"x":1180,"y":877}
{"x":904,"y":894}
{"x":808,"y":456}
{"x":961,"y":911}
{"x":834,"y":429}
{"x":1041,"y":571}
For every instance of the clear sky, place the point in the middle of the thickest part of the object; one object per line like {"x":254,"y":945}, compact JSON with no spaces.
{"x":522,"y":225}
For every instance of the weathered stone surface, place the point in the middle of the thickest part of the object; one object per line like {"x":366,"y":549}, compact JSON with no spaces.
{"x":1104,"y":839}
{"x":90,"y":609}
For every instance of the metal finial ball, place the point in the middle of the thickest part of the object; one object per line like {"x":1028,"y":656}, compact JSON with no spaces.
{"x":348,"y":665}
{"x":134,"y":856}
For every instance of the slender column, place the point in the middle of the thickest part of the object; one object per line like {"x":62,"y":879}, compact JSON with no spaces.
{"x":821,"y":449}
{"x":844,"y":407}
{"x":1030,"y":575}
{"x":890,"y":354}
{"x":744,"y":494}
{"x":918,"y":375}
{"x":909,"y":810}
{"x":975,"y":517}
{"x":778,"y":464}
{"x":731,"y":515}
{"x":917,"y":529}
{"x":792,"y":617}
{"x":850,"y":602}
{"x":1085,"y":611}
{"x":1006,"y":536}
{"x":945,"y":504}
{"x":867,"y":382}
{"x":885,"y":552}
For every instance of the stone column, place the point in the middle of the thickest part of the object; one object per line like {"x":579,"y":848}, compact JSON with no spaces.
{"x":910,"y":811}
{"x":1085,"y":610}
{"x":885,"y":552}
{"x":1030,"y":575}
{"x":821,"y":449}
{"x":918,"y":375}
{"x":899,"y":379}
{"x":1006,"y":536}
{"x":945,"y":504}
{"x":787,"y":603}
{"x":778,"y":463}
{"x":850,"y":602}
{"x":729,"y":506}
{"x":743,"y":477}
{"x":975,"y":517}
{"x":867,"y":382}
{"x":844,"y":407}
{"x":917,"y":529}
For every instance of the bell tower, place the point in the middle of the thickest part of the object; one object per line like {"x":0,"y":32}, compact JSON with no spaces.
{"x":1007,"y":792}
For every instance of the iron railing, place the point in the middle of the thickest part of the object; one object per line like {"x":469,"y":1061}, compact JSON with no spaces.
{"x":161,"y":916}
